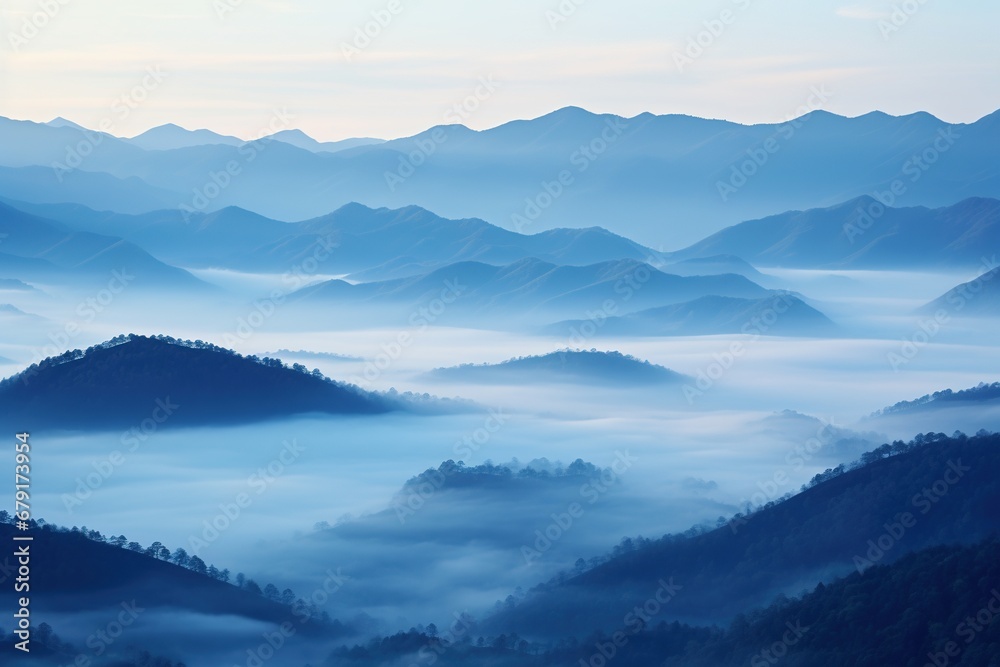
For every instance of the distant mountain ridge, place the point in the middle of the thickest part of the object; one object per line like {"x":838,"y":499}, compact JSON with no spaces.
{"x":863,"y":234}
{"x":40,"y":249}
{"x":381,"y":244}
{"x":529,"y":290}
{"x":664,"y":171}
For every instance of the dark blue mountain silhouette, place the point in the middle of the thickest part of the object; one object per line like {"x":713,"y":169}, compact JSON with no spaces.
{"x":827,"y":530}
{"x":134,"y":378}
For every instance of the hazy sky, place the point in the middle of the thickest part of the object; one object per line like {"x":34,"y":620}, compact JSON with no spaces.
{"x":227,"y":64}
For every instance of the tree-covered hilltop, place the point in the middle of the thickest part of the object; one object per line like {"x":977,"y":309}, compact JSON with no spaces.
{"x":981,"y":393}
{"x":564,"y":366}
{"x":132,"y":378}
{"x":458,"y":475}
{"x":72,"y":565}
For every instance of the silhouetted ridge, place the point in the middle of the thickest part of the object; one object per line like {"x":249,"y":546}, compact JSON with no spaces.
{"x":945,"y":398}
{"x":133,"y":378}
{"x":907,"y":613}
{"x":825,"y":531}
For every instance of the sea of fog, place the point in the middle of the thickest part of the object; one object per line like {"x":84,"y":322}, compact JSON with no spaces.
{"x":759,"y":417}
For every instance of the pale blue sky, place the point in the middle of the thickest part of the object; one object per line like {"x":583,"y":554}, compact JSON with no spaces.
{"x":227,"y":70}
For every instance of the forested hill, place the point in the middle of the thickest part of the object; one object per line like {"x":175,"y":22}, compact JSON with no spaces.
{"x":983,"y":393}
{"x":899,"y":498}
{"x":612,"y":368}
{"x":132,"y":378}
{"x":909,"y":613}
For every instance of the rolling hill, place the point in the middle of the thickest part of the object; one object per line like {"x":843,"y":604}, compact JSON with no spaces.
{"x":898,"y":499}
{"x":132,"y":378}
{"x":576,"y":366}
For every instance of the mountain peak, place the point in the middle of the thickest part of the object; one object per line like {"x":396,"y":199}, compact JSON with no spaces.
{"x":59,"y":121}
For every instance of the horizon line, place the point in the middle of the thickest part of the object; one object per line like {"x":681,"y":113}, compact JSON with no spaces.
{"x":874,"y":112}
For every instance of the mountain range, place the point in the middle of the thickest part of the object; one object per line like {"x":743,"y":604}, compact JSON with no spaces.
{"x":646,"y":177}
{"x":37,"y":249}
{"x":862,"y":234}
{"x":528,"y":290}
{"x":374,"y":244}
